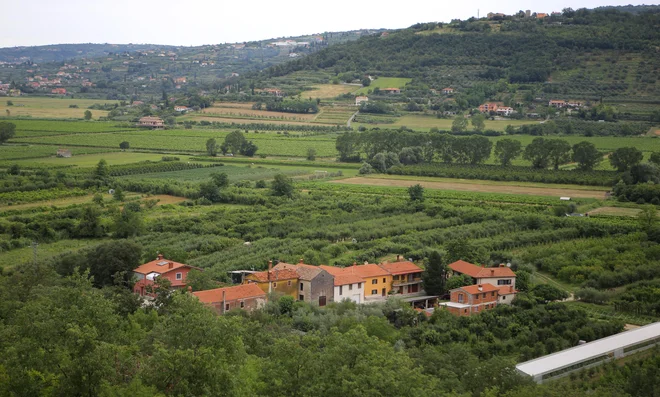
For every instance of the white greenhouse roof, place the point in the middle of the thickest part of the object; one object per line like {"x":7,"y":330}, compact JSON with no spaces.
{"x":596,"y":348}
{"x":454,"y":304}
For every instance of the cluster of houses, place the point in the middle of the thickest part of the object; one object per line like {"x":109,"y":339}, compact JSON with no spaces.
{"x":497,"y":108}
{"x":364,"y":283}
{"x":558,"y":103}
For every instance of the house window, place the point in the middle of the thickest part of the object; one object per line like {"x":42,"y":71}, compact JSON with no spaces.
{"x":395,"y":278}
{"x":227,"y":307}
{"x":492,"y":293}
{"x":341,"y":289}
{"x":460,"y":298}
{"x":179,"y":276}
{"x":504,"y":298}
{"x":374,"y":292}
{"x":476,"y":308}
{"x":483,"y":295}
{"x":301,"y":286}
{"x":384,"y":280}
{"x":288,"y":283}
{"x":374,"y":281}
{"x":274,"y":285}
{"x":301,"y":297}
{"x":242,"y":304}
{"x":504,"y":282}
{"x":359,"y":285}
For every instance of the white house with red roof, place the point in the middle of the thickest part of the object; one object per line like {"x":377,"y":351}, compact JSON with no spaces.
{"x":348,"y":285}
{"x":175,"y":272}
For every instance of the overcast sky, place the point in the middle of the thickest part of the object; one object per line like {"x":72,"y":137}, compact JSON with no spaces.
{"x":195,"y":22}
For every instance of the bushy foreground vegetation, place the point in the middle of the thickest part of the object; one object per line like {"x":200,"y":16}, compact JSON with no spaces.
{"x":66,"y":337}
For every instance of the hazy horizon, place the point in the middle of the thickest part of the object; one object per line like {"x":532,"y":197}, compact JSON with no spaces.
{"x":198,"y":23}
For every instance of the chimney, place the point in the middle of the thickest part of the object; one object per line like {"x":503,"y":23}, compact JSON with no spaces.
{"x":480,"y":288}
{"x":366,"y":262}
{"x":270,"y":265}
{"x":398,"y":258}
{"x":224,"y":296}
{"x":492,"y":272}
{"x":301,"y":261}
{"x":354,"y":263}
{"x":160,"y":256}
{"x":502,"y":265}
{"x":170,"y":265}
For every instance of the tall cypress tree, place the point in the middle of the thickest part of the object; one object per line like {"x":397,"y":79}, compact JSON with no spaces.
{"x":434,"y":276}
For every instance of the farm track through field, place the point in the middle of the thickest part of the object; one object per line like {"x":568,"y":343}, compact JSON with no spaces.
{"x":475,"y":187}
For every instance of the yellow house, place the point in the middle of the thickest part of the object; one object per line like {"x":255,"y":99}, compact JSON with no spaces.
{"x":283,"y":282}
{"x":378,"y":281}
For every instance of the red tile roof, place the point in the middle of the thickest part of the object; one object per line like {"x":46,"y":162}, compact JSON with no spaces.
{"x":474,"y":289}
{"x":159,"y":266}
{"x":347,"y":278}
{"x":370,"y":270}
{"x":475,"y":271}
{"x":507,"y":290}
{"x":334,"y":270}
{"x":275,"y":275}
{"x":231,"y":293}
{"x":397,"y":268}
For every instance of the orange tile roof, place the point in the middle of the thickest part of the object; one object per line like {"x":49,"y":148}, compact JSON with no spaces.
{"x":507,"y":290}
{"x":474,"y":289}
{"x":334,"y":270}
{"x":347,"y":278}
{"x":231,"y":293}
{"x":475,"y":271}
{"x":370,"y":270}
{"x":397,"y":268}
{"x":275,"y":275}
{"x":160,"y":266}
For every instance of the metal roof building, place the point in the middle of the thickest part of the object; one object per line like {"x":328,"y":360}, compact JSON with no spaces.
{"x":591,"y":354}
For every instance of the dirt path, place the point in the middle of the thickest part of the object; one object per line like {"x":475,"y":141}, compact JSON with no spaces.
{"x":476,"y":187}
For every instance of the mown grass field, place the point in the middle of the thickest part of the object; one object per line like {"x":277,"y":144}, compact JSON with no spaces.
{"x":29,"y":128}
{"x":384,"y":82}
{"x":326,"y":91}
{"x":547,"y":191}
{"x":51,"y":107}
{"x":234,"y":172}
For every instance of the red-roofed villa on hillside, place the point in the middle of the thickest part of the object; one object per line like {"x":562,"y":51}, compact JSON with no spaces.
{"x":279,"y":281}
{"x":247,"y":297}
{"x":173,"y":271}
{"x":471,"y":299}
{"x":497,"y":276}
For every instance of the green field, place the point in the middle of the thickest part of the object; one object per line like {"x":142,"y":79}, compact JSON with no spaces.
{"x":384,"y":82}
{"x":52,"y":107}
{"x":272,"y":145}
{"x":26,"y":151}
{"x":425,"y":122}
{"x":91,"y":160}
{"x":238,"y":173}
{"x":34,"y":128}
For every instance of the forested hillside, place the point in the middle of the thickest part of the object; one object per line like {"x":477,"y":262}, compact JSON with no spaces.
{"x":558,"y":51}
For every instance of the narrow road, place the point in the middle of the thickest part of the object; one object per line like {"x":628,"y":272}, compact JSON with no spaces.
{"x":350,"y":119}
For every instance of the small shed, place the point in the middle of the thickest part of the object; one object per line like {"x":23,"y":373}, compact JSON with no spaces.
{"x":64,"y":153}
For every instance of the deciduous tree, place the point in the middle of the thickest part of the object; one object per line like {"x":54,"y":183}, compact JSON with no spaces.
{"x":586,"y":155}
{"x":624,"y":158}
{"x":7,"y":131}
{"x":506,"y":150}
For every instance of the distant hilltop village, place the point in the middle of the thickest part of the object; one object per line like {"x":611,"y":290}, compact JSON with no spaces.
{"x":521,"y":14}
